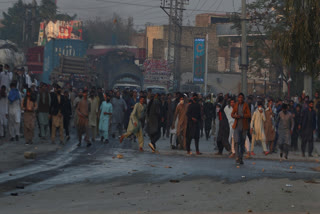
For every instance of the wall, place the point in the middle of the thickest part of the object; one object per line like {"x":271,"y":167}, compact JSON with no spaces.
{"x":188,"y":36}
{"x":138,"y":40}
{"x":218,"y":82}
{"x":153,"y":32}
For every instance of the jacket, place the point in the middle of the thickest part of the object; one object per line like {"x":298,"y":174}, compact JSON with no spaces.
{"x":57,"y":107}
{"x":246,"y":115}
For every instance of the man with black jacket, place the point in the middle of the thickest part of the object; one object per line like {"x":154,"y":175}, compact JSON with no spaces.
{"x":67,"y":112}
{"x":308,"y":127}
{"x":56,"y":112}
{"x":44,"y":101}
{"x":193,"y":127}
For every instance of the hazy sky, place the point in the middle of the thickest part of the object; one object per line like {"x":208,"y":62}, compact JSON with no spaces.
{"x":141,"y":10}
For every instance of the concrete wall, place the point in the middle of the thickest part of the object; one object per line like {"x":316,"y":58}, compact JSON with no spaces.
{"x":188,"y":36}
{"x":218,"y":82}
{"x":138,"y":40}
{"x":153,"y":32}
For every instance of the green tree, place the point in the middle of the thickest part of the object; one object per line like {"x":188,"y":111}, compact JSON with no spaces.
{"x":262,"y":23}
{"x":298,"y":41}
{"x":109,"y":32}
{"x":48,"y":10}
{"x":13,"y":21}
{"x":21,"y":18}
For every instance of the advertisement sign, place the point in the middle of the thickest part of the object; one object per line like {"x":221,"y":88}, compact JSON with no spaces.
{"x":156,"y":72}
{"x":199,"y":59}
{"x":59,"y":30}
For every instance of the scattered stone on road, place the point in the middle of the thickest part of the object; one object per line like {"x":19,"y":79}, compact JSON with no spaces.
{"x":30,"y":155}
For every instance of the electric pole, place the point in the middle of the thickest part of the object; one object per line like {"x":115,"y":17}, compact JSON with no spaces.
{"x":174,"y":9}
{"x":33,"y":22}
{"x":244,"y":51}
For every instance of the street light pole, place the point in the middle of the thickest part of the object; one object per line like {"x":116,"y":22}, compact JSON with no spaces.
{"x":206,"y":66}
{"x":244,"y":53}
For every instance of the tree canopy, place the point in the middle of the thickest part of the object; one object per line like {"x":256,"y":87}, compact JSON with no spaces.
{"x":113,"y":31}
{"x":298,"y":40}
{"x":19,"y":18}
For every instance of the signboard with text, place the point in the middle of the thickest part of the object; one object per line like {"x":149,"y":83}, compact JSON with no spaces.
{"x":59,"y":30}
{"x":199,"y":60}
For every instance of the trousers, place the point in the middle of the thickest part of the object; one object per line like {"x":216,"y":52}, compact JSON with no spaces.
{"x":239,"y":141}
{"x":139,"y":135}
{"x":57,"y":122}
{"x":263,"y":142}
{"x":304,"y":144}
{"x":29,"y":123}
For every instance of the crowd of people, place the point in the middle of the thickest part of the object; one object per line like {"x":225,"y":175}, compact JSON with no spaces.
{"x":232,"y":123}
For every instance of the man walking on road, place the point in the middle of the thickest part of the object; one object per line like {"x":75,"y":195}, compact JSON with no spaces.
{"x":241,"y":114}
{"x":104,"y":121}
{"x":14,"y":112}
{"x":57,"y":116}
{"x":228,"y":111}
{"x":154,"y":121}
{"x":224,"y":131}
{"x":67,"y":113}
{"x":83,"y":119}
{"x":209,"y":111}
{"x":44,"y":102}
{"x":29,"y":106}
{"x":257,"y":129}
{"x":119,"y":107}
{"x":135,"y":123}
{"x":308,"y":127}
{"x":193,"y":127}
{"x":285,"y":125}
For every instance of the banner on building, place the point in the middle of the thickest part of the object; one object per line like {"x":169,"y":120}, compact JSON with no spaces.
{"x":59,"y":30}
{"x":199,"y":60}
{"x":157,"y":72}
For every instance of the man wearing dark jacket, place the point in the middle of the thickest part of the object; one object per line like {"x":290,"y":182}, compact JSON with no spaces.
{"x":67,"y":112}
{"x":193,"y":127}
{"x":56,"y":112}
{"x":308,"y":127}
{"x":209,"y":111}
{"x":224,"y":131}
{"x":44,"y":101}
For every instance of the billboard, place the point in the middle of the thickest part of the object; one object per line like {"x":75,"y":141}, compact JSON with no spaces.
{"x":59,"y":30}
{"x":157,"y":72}
{"x":199,"y":60}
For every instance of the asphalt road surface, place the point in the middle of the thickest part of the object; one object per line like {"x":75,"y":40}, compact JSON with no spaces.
{"x":124,"y":166}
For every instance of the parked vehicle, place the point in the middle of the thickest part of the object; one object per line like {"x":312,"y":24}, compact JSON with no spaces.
{"x":57,"y":48}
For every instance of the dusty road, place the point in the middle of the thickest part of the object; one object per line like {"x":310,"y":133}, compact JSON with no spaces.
{"x":95,"y":180}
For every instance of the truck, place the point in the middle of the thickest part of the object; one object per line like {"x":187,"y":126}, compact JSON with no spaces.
{"x":75,"y":72}
{"x":55,"y":50}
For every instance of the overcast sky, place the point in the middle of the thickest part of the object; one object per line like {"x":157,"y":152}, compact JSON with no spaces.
{"x":141,"y":10}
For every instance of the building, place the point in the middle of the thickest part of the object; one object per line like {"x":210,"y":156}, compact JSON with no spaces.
{"x":157,"y":47}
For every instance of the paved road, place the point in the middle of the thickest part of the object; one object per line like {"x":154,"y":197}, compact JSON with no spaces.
{"x":99,"y":164}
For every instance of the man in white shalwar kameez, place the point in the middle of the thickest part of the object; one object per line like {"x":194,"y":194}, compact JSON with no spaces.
{"x":228,"y":110}
{"x":14,"y":112}
{"x":257,"y":128}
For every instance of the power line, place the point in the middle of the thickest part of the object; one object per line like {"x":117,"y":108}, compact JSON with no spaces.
{"x":135,"y":4}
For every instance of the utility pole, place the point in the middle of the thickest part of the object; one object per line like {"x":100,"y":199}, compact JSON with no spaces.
{"x":244,"y":51}
{"x":33,"y":22}
{"x":174,"y":9}
{"x":206,"y":66}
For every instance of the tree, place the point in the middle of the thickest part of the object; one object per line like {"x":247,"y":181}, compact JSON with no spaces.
{"x":48,"y":10}
{"x":13,"y":21}
{"x":298,"y":41}
{"x":22,"y":21}
{"x":262,"y":22}
{"x":114,"y":31}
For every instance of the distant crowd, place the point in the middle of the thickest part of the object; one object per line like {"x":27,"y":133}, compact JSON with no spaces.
{"x":232,"y":123}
